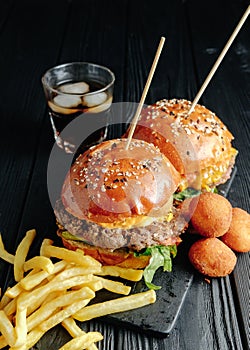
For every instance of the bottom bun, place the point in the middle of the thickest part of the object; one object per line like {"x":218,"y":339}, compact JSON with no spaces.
{"x":119,"y":257}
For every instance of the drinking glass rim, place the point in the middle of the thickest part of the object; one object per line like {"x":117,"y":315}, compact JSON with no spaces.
{"x":80,"y":94}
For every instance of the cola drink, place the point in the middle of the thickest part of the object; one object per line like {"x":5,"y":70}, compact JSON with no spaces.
{"x":77,"y":89}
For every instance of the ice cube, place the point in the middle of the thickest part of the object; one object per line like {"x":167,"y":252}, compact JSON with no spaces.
{"x":62,"y":110}
{"x":67,"y":101}
{"x":75,"y":88}
{"x":95,"y":99}
{"x":102,"y":107}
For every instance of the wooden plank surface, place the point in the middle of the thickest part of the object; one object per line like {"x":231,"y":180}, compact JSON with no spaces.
{"x":228,"y":95}
{"x":214,"y":316}
{"x":174,"y":76}
{"x":25,"y":55}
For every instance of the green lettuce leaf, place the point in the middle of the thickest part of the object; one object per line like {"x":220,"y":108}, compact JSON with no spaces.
{"x":160,"y":257}
{"x":187,"y":193}
{"x":214,"y":190}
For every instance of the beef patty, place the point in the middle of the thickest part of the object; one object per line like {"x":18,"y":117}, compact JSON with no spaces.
{"x":137,"y":238}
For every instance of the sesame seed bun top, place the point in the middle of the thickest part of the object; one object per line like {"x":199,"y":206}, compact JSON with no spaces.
{"x":196,"y":142}
{"x":108,"y":183}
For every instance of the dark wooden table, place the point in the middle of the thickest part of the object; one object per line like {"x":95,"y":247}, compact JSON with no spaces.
{"x":123,"y":35}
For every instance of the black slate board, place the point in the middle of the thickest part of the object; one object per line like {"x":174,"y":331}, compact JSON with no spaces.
{"x":159,"y":318}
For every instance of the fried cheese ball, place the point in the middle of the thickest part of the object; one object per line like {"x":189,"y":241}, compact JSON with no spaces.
{"x":212,"y":216}
{"x":212,"y":257}
{"x":238,"y":235}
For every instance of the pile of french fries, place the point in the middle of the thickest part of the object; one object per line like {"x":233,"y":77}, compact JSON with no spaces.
{"x":55,"y":288}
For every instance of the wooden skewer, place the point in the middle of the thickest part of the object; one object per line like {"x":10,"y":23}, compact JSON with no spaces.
{"x":145,"y":91}
{"x":219,"y":59}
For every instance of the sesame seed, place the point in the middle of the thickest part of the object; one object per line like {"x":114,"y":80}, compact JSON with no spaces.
{"x":103,"y":189}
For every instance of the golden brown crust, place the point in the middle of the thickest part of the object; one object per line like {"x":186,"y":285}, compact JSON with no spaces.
{"x":238,"y":235}
{"x":196,"y":141}
{"x":212,"y":215}
{"x":109,"y":183}
{"x":119,"y":257}
{"x":212,"y":257}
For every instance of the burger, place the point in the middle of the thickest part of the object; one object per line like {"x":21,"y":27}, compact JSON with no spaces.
{"x":117,"y":205}
{"x":198,"y":144}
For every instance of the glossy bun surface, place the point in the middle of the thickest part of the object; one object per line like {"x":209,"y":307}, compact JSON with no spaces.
{"x":109,"y":184}
{"x":193,"y":142}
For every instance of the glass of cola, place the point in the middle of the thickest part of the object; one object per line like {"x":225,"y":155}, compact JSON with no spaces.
{"x":76,"y":89}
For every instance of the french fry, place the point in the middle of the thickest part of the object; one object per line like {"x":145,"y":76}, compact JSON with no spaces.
{"x":7,"y":329}
{"x":126,"y":273}
{"x":32,"y":338}
{"x":83,"y":341}
{"x":40,"y":263}
{"x":45,"y":243}
{"x":21,"y":254}
{"x":3,"y":342}
{"x":4,"y":254}
{"x":27,"y":283}
{"x":34,"y":279}
{"x":21,"y":326}
{"x":49,"y":308}
{"x":127,"y":303}
{"x":1,"y":242}
{"x":4,"y":300}
{"x":76,"y":257}
{"x":36,"y":334}
{"x":14,"y":291}
{"x":51,"y":294}
{"x":62,"y":315}
{"x":95,"y":285}
{"x":73,"y":329}
{"x":35,"y":298}
{"x":76,"y":271}
{"x":10,"y":308}
{"x":31,"y":280}
{"x":114,"y":286}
